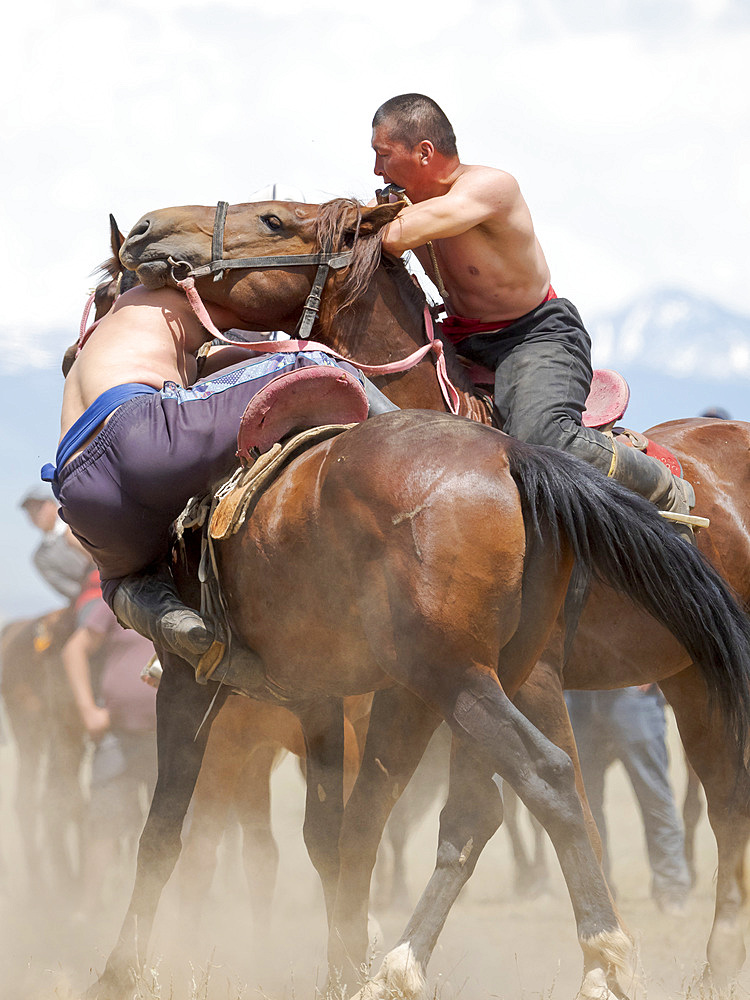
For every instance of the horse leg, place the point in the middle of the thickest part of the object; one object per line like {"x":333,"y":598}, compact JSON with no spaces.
{"x":714,"y":757}
{"x":531,"y":875}
{"x":494,"y":737}
{"x":323,"y":729}
{"x":213,"y":795}
{"x":181,"y":733}
{"x":260,"y":852}
{"x":692,"y":808}
{"x":400,"y":728}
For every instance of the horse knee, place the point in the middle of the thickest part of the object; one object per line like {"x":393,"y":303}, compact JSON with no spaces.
{"x":558,"y":799}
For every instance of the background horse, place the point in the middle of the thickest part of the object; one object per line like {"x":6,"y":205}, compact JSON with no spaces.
{"x":50,"y":746}
{"x":380,"y":526}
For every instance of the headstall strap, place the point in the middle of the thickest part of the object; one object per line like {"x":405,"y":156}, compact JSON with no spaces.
{"x":310,"y":310}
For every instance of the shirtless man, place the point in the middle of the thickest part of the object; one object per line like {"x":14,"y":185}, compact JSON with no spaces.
{"x":139,"y":438}
{"x":503,"y":313}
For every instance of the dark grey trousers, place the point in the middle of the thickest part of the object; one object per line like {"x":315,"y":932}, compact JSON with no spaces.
{"x":542,"y":365}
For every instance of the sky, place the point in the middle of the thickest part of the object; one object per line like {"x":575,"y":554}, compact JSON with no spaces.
{"x":627,"y":124}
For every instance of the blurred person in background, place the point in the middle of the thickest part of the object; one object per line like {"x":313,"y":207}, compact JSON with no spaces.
{"x":59,"y":558}
{"x":104,"y":663}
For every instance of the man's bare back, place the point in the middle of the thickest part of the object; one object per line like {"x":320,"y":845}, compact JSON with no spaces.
{"x":489,"y":258}
{"x":150,"y":337}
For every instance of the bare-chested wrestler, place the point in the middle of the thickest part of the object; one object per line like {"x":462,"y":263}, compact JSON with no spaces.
{"x":140,"y":437}
{"x":503,"y":312}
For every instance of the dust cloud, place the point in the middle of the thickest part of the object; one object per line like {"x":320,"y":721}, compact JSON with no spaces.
{"x":495,"y":943}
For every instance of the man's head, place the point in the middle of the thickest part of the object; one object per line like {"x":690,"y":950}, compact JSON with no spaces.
{"x":41,"y":507}
{"x":410,"y":134}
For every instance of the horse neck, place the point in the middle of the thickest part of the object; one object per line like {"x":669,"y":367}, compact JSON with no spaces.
{"x":384,"y":326}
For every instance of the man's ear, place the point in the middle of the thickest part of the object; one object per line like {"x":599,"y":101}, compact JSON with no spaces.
{"x":377,"y":216}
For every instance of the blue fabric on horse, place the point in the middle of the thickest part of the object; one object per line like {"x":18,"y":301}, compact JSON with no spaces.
{"x":121,"y":494}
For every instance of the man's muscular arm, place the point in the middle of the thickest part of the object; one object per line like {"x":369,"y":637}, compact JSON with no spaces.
{"x":473,"y":199}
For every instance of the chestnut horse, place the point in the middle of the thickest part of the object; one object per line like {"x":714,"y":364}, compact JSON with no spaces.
{"x":446,"y":549}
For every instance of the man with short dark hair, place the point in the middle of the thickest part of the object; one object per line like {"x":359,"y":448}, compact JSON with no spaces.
{"x":472,"y":231}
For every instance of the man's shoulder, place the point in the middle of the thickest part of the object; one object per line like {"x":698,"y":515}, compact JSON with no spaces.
{"x":496,"y":188}
{"x":491,"y":177}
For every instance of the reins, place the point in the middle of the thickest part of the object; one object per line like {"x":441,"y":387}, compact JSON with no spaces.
{"x":185,"y":280}
{"x":85,"y":331}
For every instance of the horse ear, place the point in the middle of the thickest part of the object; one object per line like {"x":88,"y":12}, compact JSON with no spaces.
{"x":374,"y":218}
{"x":68,"y":359}
{"x":116,"y":237}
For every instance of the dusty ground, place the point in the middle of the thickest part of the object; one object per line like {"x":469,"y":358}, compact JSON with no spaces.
{"x":494,"y":945}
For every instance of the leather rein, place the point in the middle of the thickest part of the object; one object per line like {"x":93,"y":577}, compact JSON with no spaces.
{"x":184,"y":274}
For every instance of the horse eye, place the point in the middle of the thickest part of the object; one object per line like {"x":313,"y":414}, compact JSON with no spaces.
{"x":272,"y":221}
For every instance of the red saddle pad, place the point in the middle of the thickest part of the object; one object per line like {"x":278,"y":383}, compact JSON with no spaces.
{"x":298,"y":400}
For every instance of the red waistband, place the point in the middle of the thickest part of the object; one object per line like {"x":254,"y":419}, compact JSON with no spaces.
{"x":458,"y":328}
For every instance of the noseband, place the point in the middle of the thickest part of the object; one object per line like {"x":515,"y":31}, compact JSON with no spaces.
{"x":181,"y":269}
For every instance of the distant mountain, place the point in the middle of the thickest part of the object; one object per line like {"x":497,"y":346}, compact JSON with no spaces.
{"x":680,"y":353}
{"x":679,"y":334}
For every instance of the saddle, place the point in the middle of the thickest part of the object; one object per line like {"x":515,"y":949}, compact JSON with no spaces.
{"x":297,"y":401}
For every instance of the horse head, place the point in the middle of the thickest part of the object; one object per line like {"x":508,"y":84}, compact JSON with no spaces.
{"x":259,"y":244}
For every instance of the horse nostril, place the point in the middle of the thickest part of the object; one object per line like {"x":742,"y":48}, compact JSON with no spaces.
{"x":140,"y":229}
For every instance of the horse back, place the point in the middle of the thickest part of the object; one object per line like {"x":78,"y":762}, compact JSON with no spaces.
{"x":714,"y":456}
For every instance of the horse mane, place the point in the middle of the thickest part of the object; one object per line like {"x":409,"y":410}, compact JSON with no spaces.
{"x":109,"y":268}
{"x":334,"y":233}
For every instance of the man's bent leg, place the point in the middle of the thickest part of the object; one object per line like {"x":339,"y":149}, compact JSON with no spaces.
{"x":542,"y":387}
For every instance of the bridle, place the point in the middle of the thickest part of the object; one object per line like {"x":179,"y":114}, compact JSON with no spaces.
{"x":184,"y":274}
{"x":219,"y":264}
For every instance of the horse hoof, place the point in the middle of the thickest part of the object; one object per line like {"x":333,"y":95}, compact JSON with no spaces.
{"x":596,"y":987}
{"x":112,"y":986}
{"x":726,"y":953}
{"x":400,"y":975}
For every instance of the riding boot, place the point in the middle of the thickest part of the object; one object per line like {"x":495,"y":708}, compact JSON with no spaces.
{"x":651,"y":479}
{"x":149,"y":603}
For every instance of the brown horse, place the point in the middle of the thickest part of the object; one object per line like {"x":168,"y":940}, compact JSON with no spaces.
{"x":615,"y":645}
{"x":50,"y":744}
{"x":438,"y":540}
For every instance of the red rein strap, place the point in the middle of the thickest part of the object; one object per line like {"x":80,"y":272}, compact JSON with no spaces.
{"x":283,"y":346}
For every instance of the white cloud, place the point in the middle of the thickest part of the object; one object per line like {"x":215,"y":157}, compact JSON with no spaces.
{"x":626,"y":124}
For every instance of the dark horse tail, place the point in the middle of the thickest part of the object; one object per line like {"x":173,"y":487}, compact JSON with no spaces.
{"x":622,"y":539}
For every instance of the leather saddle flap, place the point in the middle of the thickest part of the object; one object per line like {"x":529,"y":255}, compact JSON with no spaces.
{"x":304,"y":398}
{"x":234,"y":499}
